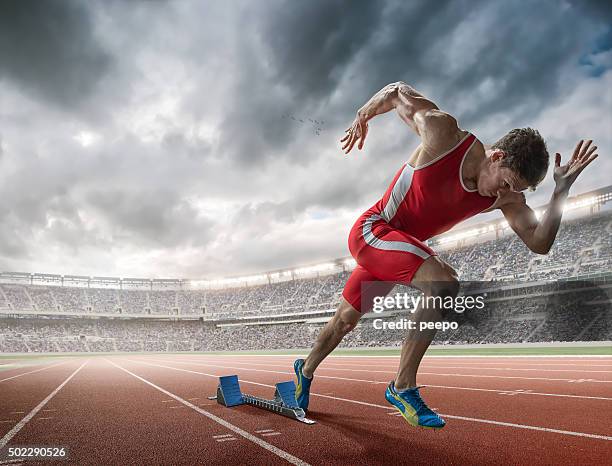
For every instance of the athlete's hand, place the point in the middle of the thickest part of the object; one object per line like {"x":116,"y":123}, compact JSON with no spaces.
{"x":565,"y":175}
{"x":356,"y":132}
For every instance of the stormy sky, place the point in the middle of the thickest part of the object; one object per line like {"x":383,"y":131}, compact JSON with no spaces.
{"x":201,"y":138}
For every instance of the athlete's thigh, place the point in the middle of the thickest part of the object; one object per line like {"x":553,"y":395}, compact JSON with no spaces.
{"x":391,"y":254}
{"x":362,"y":287}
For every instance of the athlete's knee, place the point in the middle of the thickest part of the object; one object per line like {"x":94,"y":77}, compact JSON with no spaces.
{"x":447,"y":287}
{"x":342,"y":326}
{"x":345,"y":319}
{"x":444,"y":281}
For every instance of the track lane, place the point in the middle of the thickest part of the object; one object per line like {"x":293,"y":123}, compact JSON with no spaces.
{"x":106,"y":416}
{"x":370,"y":421}
{"x":19,"y":396}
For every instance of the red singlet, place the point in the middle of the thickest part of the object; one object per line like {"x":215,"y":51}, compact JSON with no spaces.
{"x":387,"y":241}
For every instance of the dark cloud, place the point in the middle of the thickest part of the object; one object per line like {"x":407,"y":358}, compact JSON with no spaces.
{"x":151,"y":217}
{"x":311,"y":43}
{"x":49,"y":49}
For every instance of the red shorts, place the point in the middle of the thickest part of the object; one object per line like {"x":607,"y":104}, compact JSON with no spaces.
{"x":385,"y":256}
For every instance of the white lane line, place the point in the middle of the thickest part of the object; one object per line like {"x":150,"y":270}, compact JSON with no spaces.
{"x":330,"y":361}
{"x":31,"y":372}
{"x":269,"y":434}
{"x":11,"y":433}
{"x":222,"y":435}
{"x":578,"y":357}
{"x":261,"y":431}
{"x":432,"y":364}
{"x":327,"y":365}
{"x":423,"y":366}
{"x":229,"y":439}
{"x":375,"y":381}
{"x":365,"y":403}
{"x":271,"y":448}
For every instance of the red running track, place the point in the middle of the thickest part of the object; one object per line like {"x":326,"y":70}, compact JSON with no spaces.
{"x":137,"y":409}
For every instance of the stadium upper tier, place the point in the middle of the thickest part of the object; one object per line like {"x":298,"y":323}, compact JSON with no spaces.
{"x":583,"y":247}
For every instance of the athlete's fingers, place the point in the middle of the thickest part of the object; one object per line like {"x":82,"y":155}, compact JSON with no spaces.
{"x":347,"y":144}
{"x":557,"y":159}
{"x":577,"y":150}
{"x":588,"y":161}
{"x":352,"y":142}
{"x":585,"y":148}
{"x":588,"y":153}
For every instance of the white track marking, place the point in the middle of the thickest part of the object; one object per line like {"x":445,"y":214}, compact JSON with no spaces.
{"x":339,"y":367}
{"x":450,"y":387}
{"x":578,"y":357}
{"x":222,"y":435}
{"x":450,"y":416}
{"x":271,"y":448}
{"x":376,"y":381}
{"x":31,"y":372}
{"x":269,"y":434}
{"x":475,"y":365}
{"x":261,"y":431}
{"x":11,"y":433}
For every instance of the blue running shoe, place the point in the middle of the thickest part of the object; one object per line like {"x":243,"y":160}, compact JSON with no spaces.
{"x":413,"y":408}
{"x":302,"y":387}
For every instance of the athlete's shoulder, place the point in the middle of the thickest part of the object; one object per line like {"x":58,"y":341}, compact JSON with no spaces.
{"x":448,"y":139}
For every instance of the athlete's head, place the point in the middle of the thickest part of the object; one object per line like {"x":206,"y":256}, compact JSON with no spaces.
{"x":516,"y":162}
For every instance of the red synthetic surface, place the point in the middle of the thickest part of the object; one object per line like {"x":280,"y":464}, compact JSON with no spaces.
{"x":105,"y":415}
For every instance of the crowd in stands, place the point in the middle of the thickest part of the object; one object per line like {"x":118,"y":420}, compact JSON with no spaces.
{"x":548,"y":317}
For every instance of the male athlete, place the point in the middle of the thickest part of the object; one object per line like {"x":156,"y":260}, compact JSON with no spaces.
{"x":450,"y":177}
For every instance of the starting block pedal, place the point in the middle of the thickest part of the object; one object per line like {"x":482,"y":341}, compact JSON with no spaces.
{"x":284,"y":403}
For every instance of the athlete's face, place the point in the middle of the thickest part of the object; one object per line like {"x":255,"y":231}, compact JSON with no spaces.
{"x":498,"y":180}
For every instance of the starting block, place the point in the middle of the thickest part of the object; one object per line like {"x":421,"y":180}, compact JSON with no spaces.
{"x":229,"y":394}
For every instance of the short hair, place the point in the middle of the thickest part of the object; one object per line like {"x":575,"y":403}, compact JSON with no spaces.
{"x":526,"y":154}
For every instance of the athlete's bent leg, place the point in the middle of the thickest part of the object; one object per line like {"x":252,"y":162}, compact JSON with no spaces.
{"x":344,"y":320}
{"x":434,"y":278}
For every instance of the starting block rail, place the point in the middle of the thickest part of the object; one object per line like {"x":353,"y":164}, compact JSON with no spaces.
{"x":284,"y":403}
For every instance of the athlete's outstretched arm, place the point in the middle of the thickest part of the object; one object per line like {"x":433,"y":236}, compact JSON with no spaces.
{"x":420,"y":113}
{"x":539,"y":236}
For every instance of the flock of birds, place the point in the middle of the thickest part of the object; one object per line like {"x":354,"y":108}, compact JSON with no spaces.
{"x":317,"y":124}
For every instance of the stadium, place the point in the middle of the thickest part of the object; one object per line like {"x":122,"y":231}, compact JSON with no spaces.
{"x":284,"y":309}
{"x":329,"y":232}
